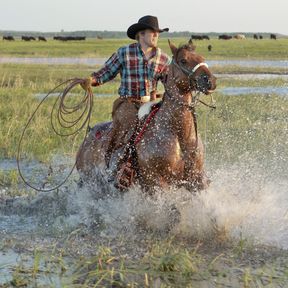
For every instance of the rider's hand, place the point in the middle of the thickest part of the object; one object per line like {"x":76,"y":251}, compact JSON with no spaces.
{"x":87,"y":83}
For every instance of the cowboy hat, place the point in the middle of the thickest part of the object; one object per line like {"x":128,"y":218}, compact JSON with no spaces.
{"x":145,"y":22}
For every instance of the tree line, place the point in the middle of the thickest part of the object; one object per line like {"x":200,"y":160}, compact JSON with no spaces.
{"x":118,"y":34}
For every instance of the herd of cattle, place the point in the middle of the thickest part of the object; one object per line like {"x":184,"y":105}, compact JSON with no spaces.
{"x":81,"y":38}
{"x":41,"y":38}
{"x":228,"y":37}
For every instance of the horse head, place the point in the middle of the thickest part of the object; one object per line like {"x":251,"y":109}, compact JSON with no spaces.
{"x":189,"y":70}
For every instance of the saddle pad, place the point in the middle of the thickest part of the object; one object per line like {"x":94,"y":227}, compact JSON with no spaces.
{"x":145,"y":109}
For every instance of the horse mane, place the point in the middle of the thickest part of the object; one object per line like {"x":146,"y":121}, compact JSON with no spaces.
{"x":187,"y":46}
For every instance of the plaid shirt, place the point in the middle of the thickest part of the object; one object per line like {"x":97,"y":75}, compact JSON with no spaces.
{"x":139,"y":76}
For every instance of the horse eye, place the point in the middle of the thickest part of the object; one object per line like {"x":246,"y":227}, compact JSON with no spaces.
{"x":183,"y":61}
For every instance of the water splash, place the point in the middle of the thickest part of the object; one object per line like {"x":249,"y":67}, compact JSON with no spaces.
{"x":242,"y":202}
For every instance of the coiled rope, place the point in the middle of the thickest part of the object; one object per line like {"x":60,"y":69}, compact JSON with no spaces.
{"x":64,"y":113}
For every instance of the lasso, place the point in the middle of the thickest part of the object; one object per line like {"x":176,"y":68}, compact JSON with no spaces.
{"x":63,"y":113}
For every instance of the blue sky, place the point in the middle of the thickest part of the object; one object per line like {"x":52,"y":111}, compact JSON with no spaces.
{"x":179,"y":15}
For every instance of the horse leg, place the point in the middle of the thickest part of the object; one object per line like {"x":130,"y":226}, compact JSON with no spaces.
{"x":193,"y":157}
{"x":195,"y":174}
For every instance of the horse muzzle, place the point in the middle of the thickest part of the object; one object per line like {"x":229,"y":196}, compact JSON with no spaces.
{"x":206,"y":84}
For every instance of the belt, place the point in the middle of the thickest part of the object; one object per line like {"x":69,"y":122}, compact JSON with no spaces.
{"x":139,"y":99}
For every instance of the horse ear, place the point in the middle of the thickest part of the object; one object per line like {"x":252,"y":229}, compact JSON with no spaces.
{"x":172,"y":47}
{"x":190,"y":43}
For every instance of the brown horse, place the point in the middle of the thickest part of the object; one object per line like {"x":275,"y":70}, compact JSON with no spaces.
{"x":170,"y":151}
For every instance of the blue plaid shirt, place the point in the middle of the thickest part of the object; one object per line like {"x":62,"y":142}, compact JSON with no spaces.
{"x":139,"y":76}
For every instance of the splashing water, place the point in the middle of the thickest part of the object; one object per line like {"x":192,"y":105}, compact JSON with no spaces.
{"x":241,"y":202}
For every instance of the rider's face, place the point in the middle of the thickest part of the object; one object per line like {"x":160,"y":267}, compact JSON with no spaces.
{"x":150,"y":37}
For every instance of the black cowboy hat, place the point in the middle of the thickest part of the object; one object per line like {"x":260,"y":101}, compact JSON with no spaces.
{"x":145,"y":22}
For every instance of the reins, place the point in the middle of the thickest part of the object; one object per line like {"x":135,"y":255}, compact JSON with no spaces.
{"x":62,"y":113}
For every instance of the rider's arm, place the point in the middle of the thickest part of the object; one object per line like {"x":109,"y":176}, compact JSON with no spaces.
{"x":109,"y":71}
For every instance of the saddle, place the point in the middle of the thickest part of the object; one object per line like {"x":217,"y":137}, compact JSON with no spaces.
{"x":128,"y":168}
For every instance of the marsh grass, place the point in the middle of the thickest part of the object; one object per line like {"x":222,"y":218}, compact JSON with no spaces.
{"x":253,"y":124}
{"x":173,"y":263}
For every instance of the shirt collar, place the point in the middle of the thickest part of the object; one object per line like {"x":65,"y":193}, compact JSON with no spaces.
{"x":154,"y":51}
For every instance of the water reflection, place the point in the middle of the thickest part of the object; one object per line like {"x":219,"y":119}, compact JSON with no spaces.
{"x":283,"y":91}
{"x":53,"y":60}
{"x":250,"y":63}
{"x":253,"y":76}
{"x":100,"y":61}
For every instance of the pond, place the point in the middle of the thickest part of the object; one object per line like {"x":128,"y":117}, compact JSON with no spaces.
{"x":101,"y":61}
{"x":283,"y":91}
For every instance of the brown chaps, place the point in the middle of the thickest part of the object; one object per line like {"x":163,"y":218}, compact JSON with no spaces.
{"x":125,"y":118}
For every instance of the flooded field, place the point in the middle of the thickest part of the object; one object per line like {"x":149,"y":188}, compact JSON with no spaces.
{"x":100,"y":61}
{"x":234,"y":234}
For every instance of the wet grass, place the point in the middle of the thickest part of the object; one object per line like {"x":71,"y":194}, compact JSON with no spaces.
{"x":167,"y":262}
{"x":247,"y":123}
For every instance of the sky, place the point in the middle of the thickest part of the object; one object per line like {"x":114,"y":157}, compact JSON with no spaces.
{"x":117,"y":15}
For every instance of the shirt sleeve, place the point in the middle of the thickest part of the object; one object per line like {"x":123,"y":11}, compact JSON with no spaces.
{"x":109,"y":71}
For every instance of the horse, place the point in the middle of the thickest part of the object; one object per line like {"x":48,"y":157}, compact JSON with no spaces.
{"x":169,"y":151}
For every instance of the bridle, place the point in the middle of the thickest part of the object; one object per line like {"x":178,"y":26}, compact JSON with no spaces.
{"x":189,"y":72}
{"x":192,"y":85}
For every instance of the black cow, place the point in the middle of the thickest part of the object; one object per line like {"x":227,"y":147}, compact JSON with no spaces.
{"x":209,"y":47}
{"x":28,"y":38}
{"x":8,"y":38}
{"x":200,"y":37}
{"x":41,"y":38}
{"x":69,"y":38}
{"x":224,"y":37}
{"x":255,"y":36}
{"x":273,"y":36}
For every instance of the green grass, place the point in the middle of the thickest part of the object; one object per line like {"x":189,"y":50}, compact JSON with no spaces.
{"x":238,"y":121}
{"x":232,"y":49}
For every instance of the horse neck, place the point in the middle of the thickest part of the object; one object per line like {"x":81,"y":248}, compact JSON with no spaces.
{"x":178,"y":109}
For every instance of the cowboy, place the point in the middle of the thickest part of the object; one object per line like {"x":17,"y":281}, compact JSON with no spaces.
{"x":141,"y":65}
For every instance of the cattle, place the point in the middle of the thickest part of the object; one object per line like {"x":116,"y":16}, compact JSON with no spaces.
{"x":255,"y":36}
{"x":69,"y":38}
{"x":8,"y":38}
{"x":260,"y":37}
{"x":209,"y":47}
{"x":273,"y":36}
{"x":200,"y":37}
{"x":28,"y":38}
{"x":99,"y":37}
{"x":240,"y":36}
{"x":41,"y":38}
{"x":224,"y":37}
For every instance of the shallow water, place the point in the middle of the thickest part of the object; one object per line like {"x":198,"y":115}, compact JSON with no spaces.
{"x":9,"y":258}
{"x":240,"y":201}
{"x":252,"y":76}
{"x":283,"y":91}
{"x":101,"y":61}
